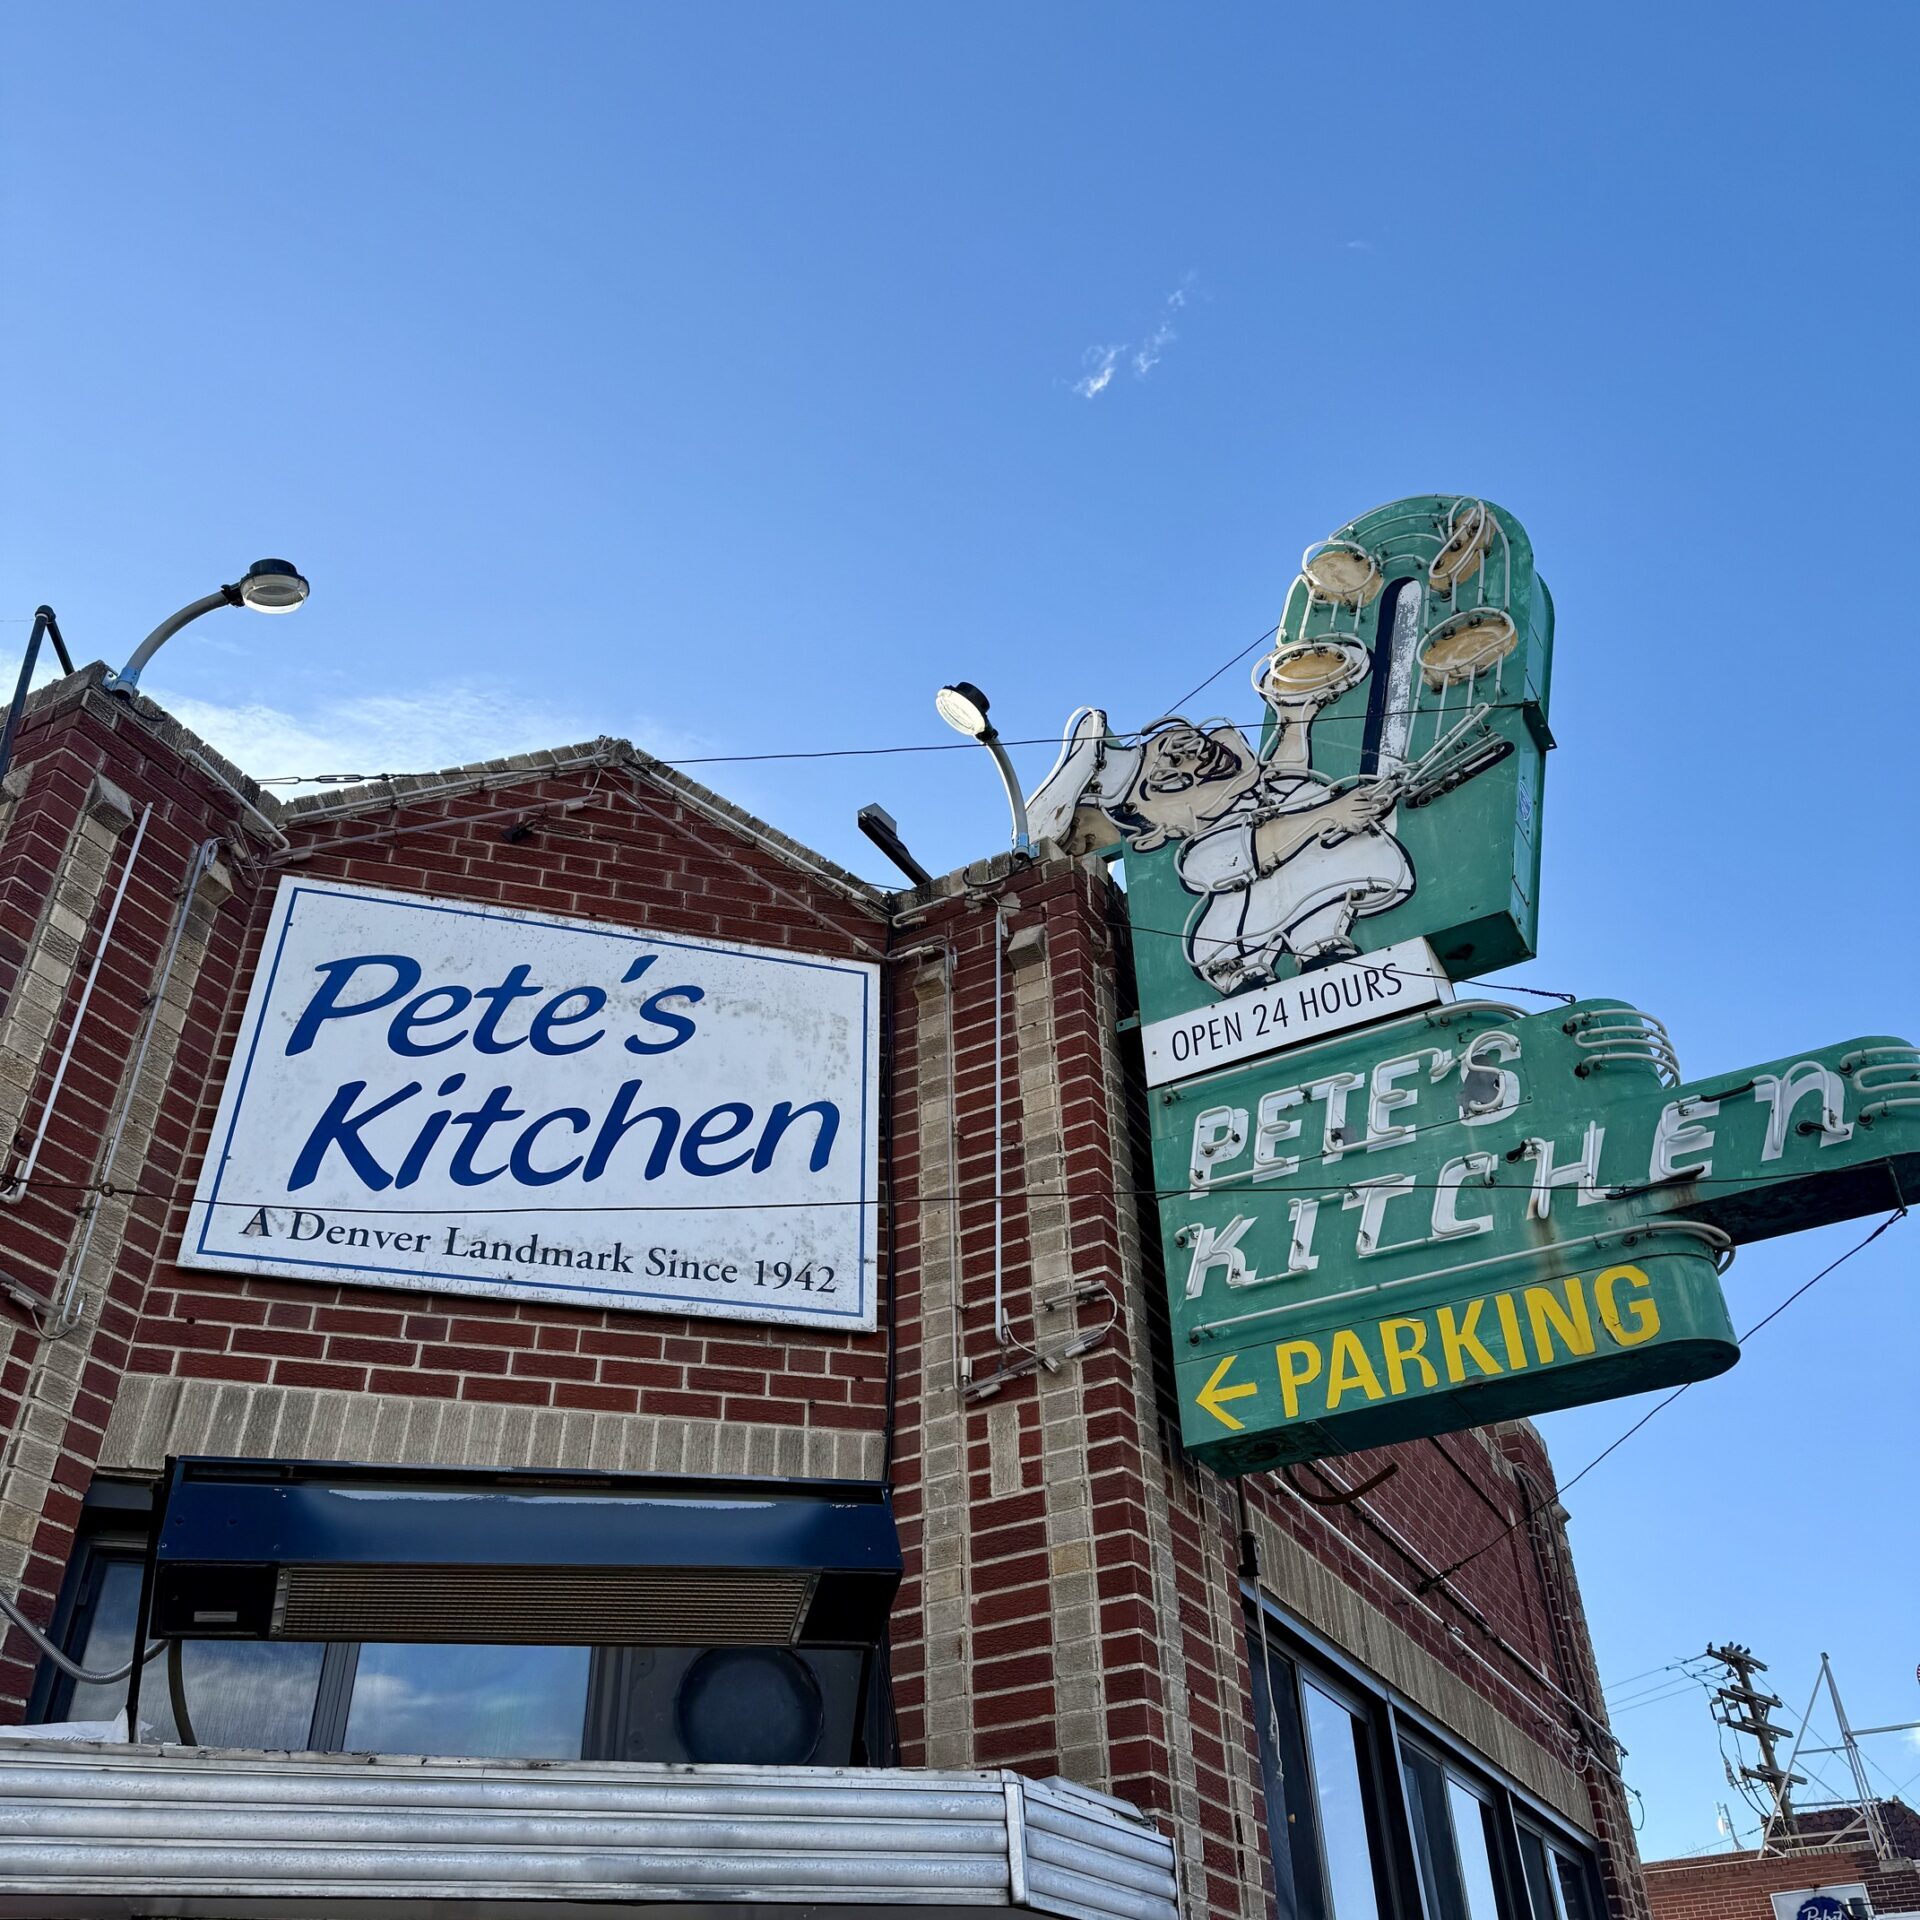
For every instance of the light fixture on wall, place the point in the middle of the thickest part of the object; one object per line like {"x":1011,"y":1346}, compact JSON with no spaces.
{"x":268,"y":586}
{"x":964,"y":708}
{"x":884,"y":831}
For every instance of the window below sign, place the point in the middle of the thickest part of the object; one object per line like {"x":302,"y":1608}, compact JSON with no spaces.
{"x":473,"y":1701}
{"x":243,"y":1693}
{"x":1367,"y":1819}
{"x":821,"y":1705}
{"x":1455,"y":1841}
{"x":477,"y":1702}
{"x":1320,"y":1761}
{"x":1559,"y":1884}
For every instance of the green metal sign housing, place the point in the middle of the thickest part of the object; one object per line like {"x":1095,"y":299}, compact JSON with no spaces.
{"x":1381,"y":1223}
{"x":1396,"y":788}
{"x":1470,"y":1214}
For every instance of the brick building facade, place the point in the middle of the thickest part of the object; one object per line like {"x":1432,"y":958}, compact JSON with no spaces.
{"x":1078,"y":1599}
{"x":1741,"y":1886}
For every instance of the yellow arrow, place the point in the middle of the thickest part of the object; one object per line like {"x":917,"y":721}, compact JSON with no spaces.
{"x":1213,"y":1393}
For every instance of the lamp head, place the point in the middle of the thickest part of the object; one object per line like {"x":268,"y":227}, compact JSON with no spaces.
{"x":964,"y":708}
{"x":272,"y":586}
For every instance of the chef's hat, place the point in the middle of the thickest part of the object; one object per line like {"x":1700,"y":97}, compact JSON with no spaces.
{"x":1093,"y":770}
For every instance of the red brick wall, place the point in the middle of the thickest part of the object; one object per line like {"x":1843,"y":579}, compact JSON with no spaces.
{"x":69,"y":737}
{"x":1170,"y":1690}
{"x":662,"y":867}
{"x":1738,"y":1886}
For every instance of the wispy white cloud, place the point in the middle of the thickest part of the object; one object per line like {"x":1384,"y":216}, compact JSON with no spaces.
{"x":1139,"y":356}
{"x":1146,"y":356}
{"x":1100,"y":362}
{"x":412,"y":730}
{"x":1358,"y":246}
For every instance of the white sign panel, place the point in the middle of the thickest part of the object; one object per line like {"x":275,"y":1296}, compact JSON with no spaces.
{"x":448,"y":1096}
{"x":1350,"y":993}
{"x":1819,"y":1903}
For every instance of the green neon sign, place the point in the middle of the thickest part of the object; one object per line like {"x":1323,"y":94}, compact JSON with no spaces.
{"x":1386,"y":1214}
{"x":1469,"y":1214}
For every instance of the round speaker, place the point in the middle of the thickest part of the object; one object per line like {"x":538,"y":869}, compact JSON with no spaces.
{"x":749,"y":1706}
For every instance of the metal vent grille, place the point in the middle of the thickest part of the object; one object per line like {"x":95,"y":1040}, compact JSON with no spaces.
{"x":569,"y":1606}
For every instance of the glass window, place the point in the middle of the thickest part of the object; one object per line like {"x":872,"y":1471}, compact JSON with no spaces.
{"x":106,"y":1638}
{"x":1558,"y":1882}
{"x":1283,"y":1769}
{"x":1473,"y":1841}
{"x":473,"y":1701}
{"x":1426,"y":1784}
{"x":1574,"y":1879}
{"x":1346,"y":1837}
{"x":1456,"y":1840}
{"x":1316,"y":1754}
{"x":1540,"y":1889}
{"x":1336,"y":1737}
{"x":821,"y":1706}
{"x":239,"y":1693}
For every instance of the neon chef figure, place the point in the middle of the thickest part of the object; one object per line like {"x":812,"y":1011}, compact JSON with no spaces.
{"x":1284,"y":859}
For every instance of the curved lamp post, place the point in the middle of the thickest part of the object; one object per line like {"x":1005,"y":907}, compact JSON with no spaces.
{"x":268,"y":586}
{"x":964,"y":708}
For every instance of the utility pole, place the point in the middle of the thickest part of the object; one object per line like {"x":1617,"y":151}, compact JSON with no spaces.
{"x":1741,"y":1707}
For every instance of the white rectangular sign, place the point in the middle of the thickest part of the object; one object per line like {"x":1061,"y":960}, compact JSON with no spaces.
{"x":447,"y":1096}
{"x":1820,"y":1903}
{"x":1349,"y":993}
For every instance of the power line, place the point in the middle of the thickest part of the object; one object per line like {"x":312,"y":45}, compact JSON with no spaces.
{"x":184,"y":1190}
{"x":1674,"y":1685}
{"x":1679,"y":1679}
{"x":1649,"y":1700}
{"x":1670,"y":1666}
{"x":1529,"y":1512}
{"x":1893,"y":1792}
{"x":852,"y":753}
{"x":1259,"y":640}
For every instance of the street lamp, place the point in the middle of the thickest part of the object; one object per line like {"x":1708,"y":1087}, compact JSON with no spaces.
{"x":964,"y":708}
{"x":268,"y":586}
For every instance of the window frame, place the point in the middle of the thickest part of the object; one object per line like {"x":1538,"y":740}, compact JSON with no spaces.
{"x":1379,"y":1787}
{"x":115,"y":1529}
{"x":116,"y":1519}
{"x":1395,"y":1725}
{"x":1584,"y":1863}
{"x":1511,"y":1892}
{"x":99,"y":1548}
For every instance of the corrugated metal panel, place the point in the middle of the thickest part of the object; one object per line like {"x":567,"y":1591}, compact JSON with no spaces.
{"x":93,"y":1830}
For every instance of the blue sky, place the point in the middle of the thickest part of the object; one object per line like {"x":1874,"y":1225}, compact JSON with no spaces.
{"x":730,"y":377}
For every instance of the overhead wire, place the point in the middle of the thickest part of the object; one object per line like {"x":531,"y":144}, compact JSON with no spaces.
{"x":1670,"y":1666}
{"x":1259,"y":641}
{"x":1648,"y":1700}
{"x":854,"y":753}
{"x":183,"y":1190}
{"x":458,"y":822}
{"x":1893,"y":1792}
{"x":1681,"y":1680}
{"x":1530,"y":1511}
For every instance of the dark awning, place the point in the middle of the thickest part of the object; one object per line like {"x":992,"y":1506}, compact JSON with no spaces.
{"x":324,"y":1550}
